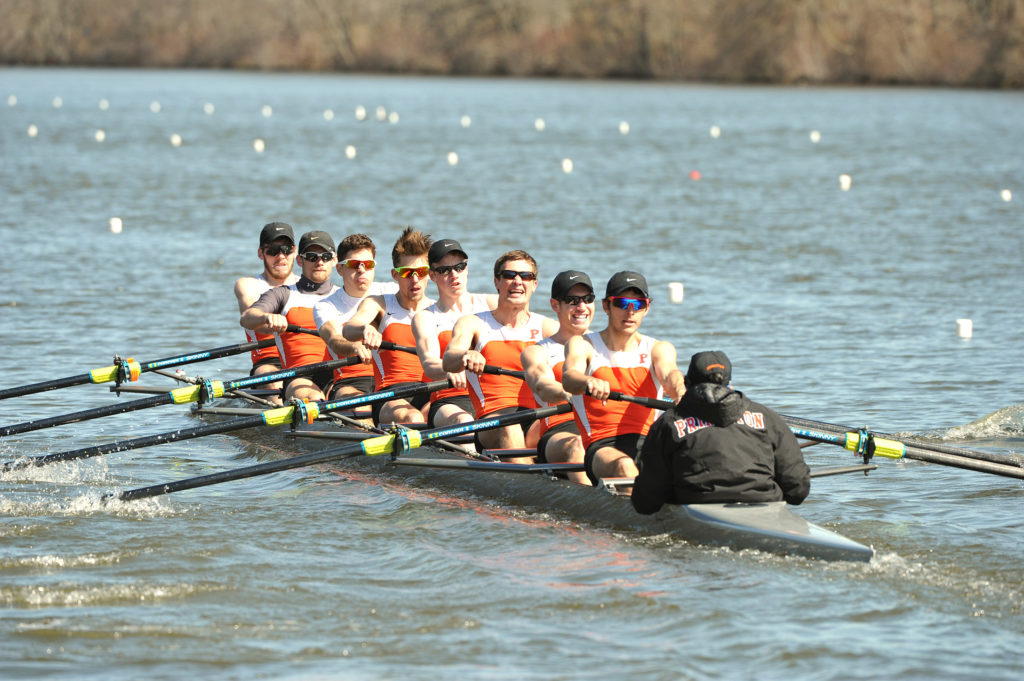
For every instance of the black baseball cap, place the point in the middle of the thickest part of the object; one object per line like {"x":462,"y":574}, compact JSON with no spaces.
{"x":622,"y":281}
{"x":564,"y":281}
{"x":711,"y":366}
{"x":276,"y":230}
{"x":316,"y":238}
{"x":443,"y":247}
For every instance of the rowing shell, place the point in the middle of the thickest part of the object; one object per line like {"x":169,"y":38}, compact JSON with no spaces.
{"x":771,"y":527}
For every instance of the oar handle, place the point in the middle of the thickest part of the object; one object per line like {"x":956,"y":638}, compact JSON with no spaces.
{"x":488,"y":369}
{"x":295,"y":328}
{"x":651,"y":402}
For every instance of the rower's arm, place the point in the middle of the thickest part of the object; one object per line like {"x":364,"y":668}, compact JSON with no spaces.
{"x":540,"y":377}
{"x":549,"y":327}
{"x":663,"y":361}
{"x":263,"y":314}
{"x":428,"y":348}
{"x":362,"y":327}
{"x":578,"y":354}
{"x":459,"y":356}
{"x":331,"y":332}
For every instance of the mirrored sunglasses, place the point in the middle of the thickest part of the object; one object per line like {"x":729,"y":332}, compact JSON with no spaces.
{"x":354,"y":264}
{"x":406,"y":272}
{"x":624,"y":303}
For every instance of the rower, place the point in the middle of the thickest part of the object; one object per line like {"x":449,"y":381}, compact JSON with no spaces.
{"x":717,"y":446}
{"x":277,"y":252}
{"x":388,"y":317}
{"x":498,"y":337}
{"x":572,"y":301}
{"x":432,"y":329}
{"x":356,"y":264}
{"x":293,"y":304}
{"x":618,"y":358}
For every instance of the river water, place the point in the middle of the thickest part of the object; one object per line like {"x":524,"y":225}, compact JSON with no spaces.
{"x":834,"y":305}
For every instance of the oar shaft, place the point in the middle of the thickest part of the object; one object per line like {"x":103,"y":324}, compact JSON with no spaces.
{"x":107,"y":374}
{"x":178,"y":396}
{"x":383,"y":444}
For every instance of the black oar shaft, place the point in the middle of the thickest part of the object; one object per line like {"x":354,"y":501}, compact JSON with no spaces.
{"x":105,"y":374}
{"x":167,"y":398}
{"x":383,"y":444}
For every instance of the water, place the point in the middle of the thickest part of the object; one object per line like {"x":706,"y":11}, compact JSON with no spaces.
{"x":837,"y":306}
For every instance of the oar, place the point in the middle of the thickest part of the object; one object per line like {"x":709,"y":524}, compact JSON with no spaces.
{"x":377,"y":446}
{"x":272,"y":417}
{"x":908,"y":442}
{"x":488,"y":368}
{"x":212,"y":389}
{"x":129,"y":370}
{"x":891,"y":449}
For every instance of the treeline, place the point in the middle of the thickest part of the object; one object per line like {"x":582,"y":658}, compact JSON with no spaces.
{"x":946,"y":42}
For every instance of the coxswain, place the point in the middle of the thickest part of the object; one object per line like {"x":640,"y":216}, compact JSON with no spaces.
{"x":277,"y":252}
{"x":498,"y":337}
{"x":572,"y":301}
{"x":618,"y":358}
{"x":293,"y":304}
{"x":389,"y":317}
{"x":356,"y":264}
{"x":717,"y":446}
{"x":432,"y":329}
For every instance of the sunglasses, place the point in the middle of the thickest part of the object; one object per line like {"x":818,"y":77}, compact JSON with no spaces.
{"x":275,"y":249}
{"x":310,"y":256}
{"x":624,"y":303}
{"x":445,"y":269}
{"x":354,"y":264}
{"x":576,"y":300}
{"x":406,"y":272}
{"x":509,"y":275}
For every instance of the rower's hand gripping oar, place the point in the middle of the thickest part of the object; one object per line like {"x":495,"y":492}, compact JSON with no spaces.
{"x":287,"y":415}
{"x":377,"y":446}
{"x":130,"y":370}
{"x":204,"y":391}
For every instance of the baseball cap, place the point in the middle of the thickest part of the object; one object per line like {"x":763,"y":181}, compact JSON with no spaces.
{"x":316,"y":238}
{"x":564,"y":281}
{"x":276,"y":230}
{"x":709,"y":367}
{"x":443,"y":247}
{"x":627,"y":279}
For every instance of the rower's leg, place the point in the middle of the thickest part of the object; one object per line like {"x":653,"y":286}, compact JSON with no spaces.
{"x":304,"y":389}
{"x":567,"y":448}
{"x":400,"y":411}
{"x":610,"y":462}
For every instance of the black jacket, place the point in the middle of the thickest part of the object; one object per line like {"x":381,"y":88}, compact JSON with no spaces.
{"x":718,"y":446}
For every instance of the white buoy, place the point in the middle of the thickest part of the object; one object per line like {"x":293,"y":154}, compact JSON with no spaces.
{"x":624,"y":127}
{"x":845,"y":182}
{"x":154,"y":107}
{"x":382,"y":113}
{"x":328,"y":115}
{"x":675,"y":292}
{"x":566,"y":165}
{"x":209,"y":108}
{"x":393,"y":118}
{"x":465,"y":121}
{"x":964,"y":328}
{"x":104,"y":105}
{"x":12,"y":100}
{"x":115,"y":225}
{"x":350,"y":152}
{"x":815,"y":136}
{"x":360,"y":113}
{"x":540,"y":124}
{"x":33,"y":131}
{"x":453,"y":158}
{"x":99,"y":135}
{"x":259,"y":145}
{"x":267,"y":111}
{"x":1006,"y":195}
{"x":58,"y":102}
{"x":175,"y":140}
{"x":715,"y":131}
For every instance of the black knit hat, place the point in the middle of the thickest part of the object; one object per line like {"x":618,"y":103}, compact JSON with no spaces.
{"x":709,"y":367}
